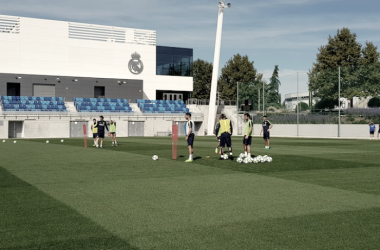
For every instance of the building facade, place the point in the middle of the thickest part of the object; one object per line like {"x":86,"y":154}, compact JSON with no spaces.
{"x":291,"y":100}
{"x":55,"y":58}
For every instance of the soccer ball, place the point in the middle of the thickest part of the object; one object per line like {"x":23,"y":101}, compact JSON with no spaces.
{"x":246,"y":161}
{"x":3,"y":140}
{"x":14,"y":141}
{"x":47,"y":141}
{"x":225,"y":156}
{"x":242,"y":155}
{"x":269,"y":159}
{"x":239,"y":160}
{"x":250,"y":160}
{"x":255,"y":160}
{"x":155,"y":158}
{"x":62,"y":140}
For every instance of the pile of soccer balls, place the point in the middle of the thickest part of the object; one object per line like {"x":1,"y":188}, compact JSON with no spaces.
{"x":258,"y":159}
{"x":225,"y":156}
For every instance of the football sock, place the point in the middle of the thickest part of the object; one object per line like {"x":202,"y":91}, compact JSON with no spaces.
{"x":245,"y":153}
{"x":191,"y":157}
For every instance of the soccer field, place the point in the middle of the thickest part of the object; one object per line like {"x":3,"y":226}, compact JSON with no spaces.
{"x":316,"y":194}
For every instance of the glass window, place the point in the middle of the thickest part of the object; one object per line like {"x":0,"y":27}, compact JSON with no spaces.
{"x":174,"y":61}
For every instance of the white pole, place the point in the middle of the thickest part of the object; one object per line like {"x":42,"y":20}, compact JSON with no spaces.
{"x":298,"y":109}
{"x":339,"y":105}
{"x":215,"y":70}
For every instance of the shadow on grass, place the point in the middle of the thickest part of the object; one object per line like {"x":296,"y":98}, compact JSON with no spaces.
{"x":32,"y":219}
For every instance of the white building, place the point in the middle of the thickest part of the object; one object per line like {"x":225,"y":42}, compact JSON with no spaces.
{"x":291,"y":100}
{"x":120,"y":62}
{"x":46,"y":58}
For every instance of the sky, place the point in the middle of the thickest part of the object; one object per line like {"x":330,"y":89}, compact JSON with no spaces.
{"x":287,"y":33}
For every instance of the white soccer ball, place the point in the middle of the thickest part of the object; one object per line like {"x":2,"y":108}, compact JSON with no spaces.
{"x":239,"y":160}
{"x":14,"y":141}
{"x":62,"y":140}
{"x":246,"y":161}
{"x":155,"y":158}
{"x":47,"y":141}
{"x":242,"y":155}
{"x":225,"y":156}
{"x":250,"y":160}
{"x":269,"y":159}
{"x":3,"y":140}
{"x":255,"y":160}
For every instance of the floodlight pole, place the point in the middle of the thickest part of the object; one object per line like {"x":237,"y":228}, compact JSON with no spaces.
{"x":339,"y":104}
{"x":258,"y":101}
{"x":215,"y":70}
{"x":237,"y":105}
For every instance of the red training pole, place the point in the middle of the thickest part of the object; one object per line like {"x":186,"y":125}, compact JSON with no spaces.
{"x":85,"y":135}
{"x":174,"y":140}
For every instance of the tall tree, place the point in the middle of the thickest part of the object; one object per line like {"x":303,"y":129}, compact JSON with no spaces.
{"x":370,"y":54}
{"x":273,"y":89}
{"x":359,"y":68}
{"x":202,"y":74}
{"x":237,"y":69}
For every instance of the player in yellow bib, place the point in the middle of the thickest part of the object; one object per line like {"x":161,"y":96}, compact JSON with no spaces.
{"x":94,"y":128}
{"x":113,"y":133}
{"x":225,"y":133}
{"x":247,"y":140}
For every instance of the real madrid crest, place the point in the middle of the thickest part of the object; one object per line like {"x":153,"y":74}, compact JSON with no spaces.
{"x":135,"y":65}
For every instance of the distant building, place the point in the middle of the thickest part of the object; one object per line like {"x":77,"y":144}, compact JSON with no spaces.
{"x":291,"y":100}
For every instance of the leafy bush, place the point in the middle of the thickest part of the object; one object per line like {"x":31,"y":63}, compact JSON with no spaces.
{"x":350,"y":116}
{"x":374,"y":102}
{"x":326,"y":104}
{"x":303,"y":107}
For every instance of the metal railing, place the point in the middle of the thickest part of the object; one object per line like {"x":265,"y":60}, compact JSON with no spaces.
{"x":195,"y":101}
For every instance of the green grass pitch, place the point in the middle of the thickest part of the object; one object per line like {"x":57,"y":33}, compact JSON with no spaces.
{"x":316,"y":194}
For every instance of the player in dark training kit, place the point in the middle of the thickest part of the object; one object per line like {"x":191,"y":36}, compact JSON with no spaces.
{"x":101,"y":126}
{"x":267,"y":126}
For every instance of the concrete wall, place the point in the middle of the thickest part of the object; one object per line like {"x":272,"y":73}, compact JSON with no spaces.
{"x":59,"y":127}
{"x":317,"y":130}
{"x":67,"y":88}
{"x":4,"y":129}
{"x":46,"y":129}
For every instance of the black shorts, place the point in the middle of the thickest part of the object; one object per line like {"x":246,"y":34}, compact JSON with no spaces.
{"x":225,"y":139}
{"x":371,"y":132}
{"x":95,"y":135}
{"x":112,"y":133}
{"x":247,"y":141}
{"x":101,"y":135}
{"x":266,"y":136}
{"x":190,"y":140}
